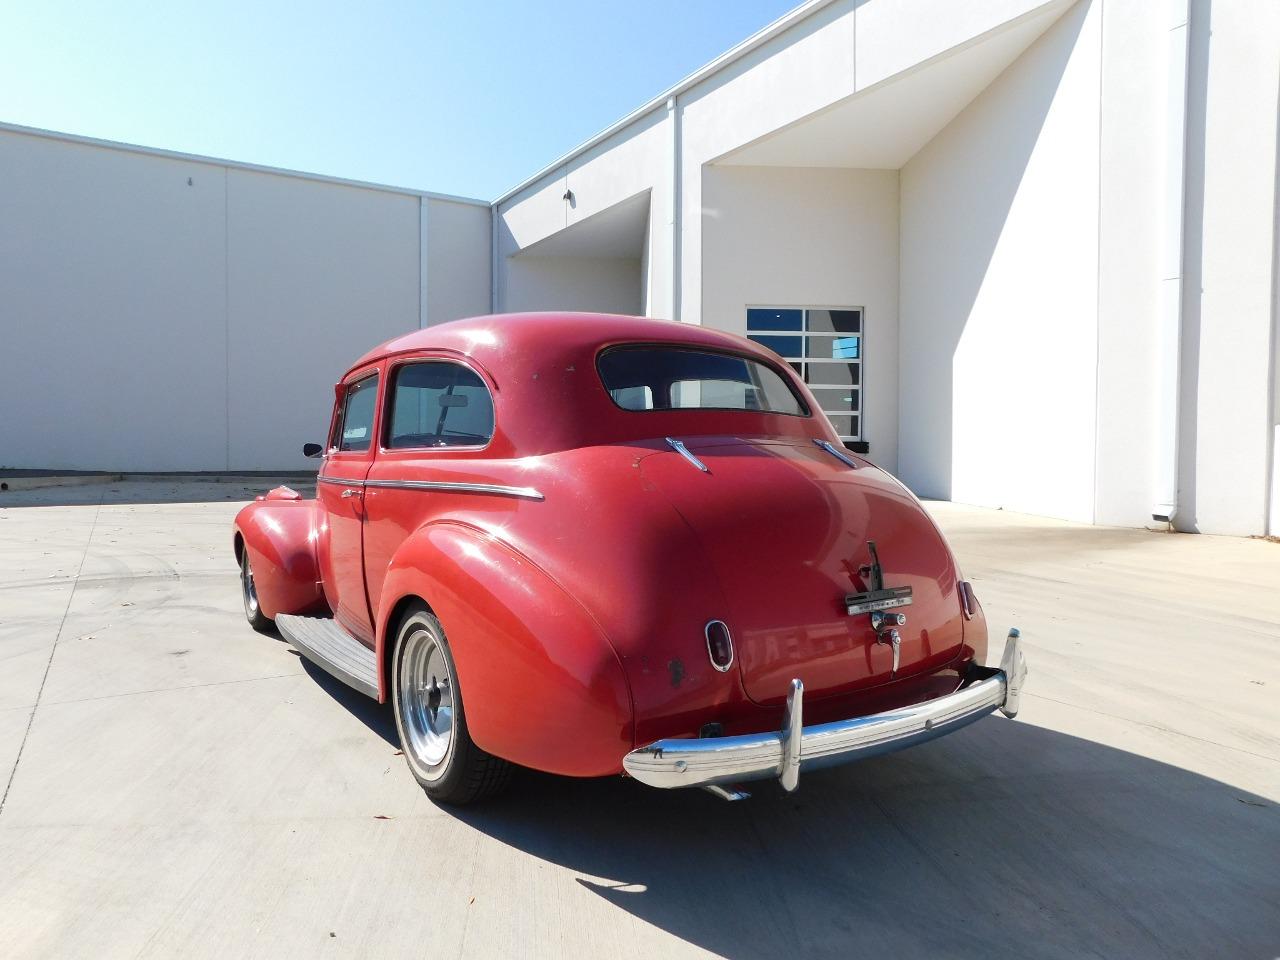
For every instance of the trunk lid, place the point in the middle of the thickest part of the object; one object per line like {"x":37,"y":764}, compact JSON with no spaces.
{"x":785,"y":527}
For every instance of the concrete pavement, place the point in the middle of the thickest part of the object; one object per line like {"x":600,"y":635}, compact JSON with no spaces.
{"x":178,"y":785}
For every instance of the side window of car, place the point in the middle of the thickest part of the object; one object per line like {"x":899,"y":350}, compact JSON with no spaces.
{"x":355,"y":428}
{"x":439,"y":404}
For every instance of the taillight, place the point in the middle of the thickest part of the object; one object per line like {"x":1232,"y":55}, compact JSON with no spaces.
{"x":719,"y":645}
{"x":968,"y":602}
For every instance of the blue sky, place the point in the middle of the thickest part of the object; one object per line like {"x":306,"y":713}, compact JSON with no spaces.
{"x":464,"y":98}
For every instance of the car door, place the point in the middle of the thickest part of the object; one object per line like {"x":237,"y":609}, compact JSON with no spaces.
{"x":340,"y":490}
{"x":438,"y":420}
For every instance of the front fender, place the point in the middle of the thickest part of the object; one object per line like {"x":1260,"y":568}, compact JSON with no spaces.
{"x":543,"y":687}
{"x":280,"y":535}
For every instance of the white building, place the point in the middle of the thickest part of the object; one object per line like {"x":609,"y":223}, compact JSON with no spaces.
{"x":163,"y":312}
{"x":1049,"y":228}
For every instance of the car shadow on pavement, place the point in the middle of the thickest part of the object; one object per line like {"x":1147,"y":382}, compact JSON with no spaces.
{"x":1005,"y":839}
{"x":374,"y":715}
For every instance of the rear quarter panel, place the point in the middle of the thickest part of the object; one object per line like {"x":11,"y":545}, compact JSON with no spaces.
{"x":541,"y":685}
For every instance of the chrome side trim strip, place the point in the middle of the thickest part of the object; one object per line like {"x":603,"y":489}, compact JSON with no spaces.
{"x":830,"y":447}
{"x":681,"y":449}
{"x":495,"y":489}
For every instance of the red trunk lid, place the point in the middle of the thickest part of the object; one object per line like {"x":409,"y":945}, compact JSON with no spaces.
{"x":786,"y":528}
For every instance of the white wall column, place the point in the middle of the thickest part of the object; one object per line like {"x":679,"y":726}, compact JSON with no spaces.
{"x":424,"y":272}
{"x":673,"y":209}
{"x":1168,"y":347}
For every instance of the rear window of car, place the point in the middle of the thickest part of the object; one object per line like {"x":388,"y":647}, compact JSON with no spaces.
{"x":678,"y":378}
{"x":438,"y":404}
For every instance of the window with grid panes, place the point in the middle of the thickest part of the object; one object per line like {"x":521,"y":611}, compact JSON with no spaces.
{"x":824,"y":346}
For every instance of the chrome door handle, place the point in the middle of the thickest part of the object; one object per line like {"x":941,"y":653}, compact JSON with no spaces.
{"x":349,"y":493}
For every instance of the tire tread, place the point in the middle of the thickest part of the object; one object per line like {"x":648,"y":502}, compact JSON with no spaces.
{"x":487,"y":776}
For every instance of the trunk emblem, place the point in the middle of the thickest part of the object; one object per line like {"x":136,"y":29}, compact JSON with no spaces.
{"x":878,"y":597}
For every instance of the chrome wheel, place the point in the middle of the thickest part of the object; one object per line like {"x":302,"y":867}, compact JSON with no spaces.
{"x":426,"y":698}
{"x":247,"y":587}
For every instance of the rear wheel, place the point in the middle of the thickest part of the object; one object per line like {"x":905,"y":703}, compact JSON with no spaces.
{"x":431,"y":720}
{"x":249,"y":591}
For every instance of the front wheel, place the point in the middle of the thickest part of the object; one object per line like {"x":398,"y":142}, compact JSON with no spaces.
{"x":249,"y":592}
{"x":431,"y":721}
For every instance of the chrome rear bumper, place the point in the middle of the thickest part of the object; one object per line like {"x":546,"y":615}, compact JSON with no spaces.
{"x":760,"y":756}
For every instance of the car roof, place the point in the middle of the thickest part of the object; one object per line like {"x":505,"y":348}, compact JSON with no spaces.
{"x":546,"y":336}
{"x":541,"y":370}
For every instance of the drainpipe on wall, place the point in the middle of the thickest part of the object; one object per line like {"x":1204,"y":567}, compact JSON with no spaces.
{"x":1273,"y":502}
{"x":1169,"y":322}
{"x":1273,"y":512}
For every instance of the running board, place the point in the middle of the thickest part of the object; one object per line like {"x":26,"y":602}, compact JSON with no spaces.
{"x":326,"y":644}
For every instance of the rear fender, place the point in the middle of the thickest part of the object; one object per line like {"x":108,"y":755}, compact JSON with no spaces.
{"x":280,"y":533}
{"x":543,"y":686}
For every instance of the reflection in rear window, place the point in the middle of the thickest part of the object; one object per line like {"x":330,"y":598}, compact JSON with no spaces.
{"x":675,"y":378}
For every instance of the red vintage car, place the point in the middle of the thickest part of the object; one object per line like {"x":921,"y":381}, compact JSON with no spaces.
{"x":596,"y":544}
